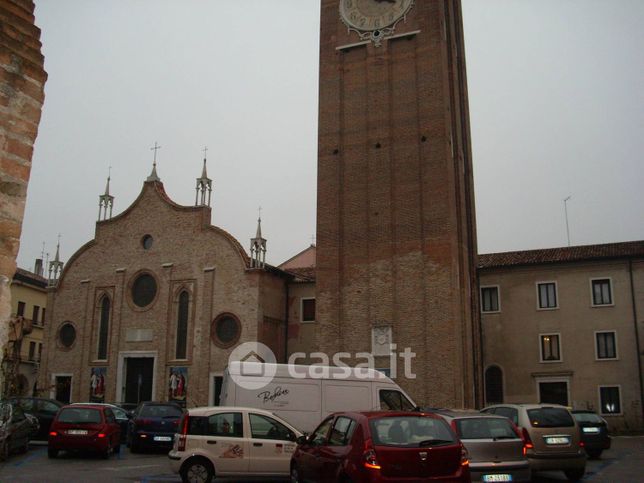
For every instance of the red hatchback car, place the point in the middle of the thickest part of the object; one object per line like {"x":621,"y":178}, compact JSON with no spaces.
{"x":380,"y":446}
{"x":84,"y":427}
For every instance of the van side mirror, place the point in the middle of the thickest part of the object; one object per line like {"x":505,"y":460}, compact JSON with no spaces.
{"x":302,"y":440}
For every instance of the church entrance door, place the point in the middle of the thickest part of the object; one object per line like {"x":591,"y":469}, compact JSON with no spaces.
{"x":138,"y":379}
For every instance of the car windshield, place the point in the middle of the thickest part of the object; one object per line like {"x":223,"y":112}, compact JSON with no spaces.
{"x":79,"y":416}
{"x":587,"y":418}
{"x":410,"y":431}
{"x":550,"y":418}
{"x":485,"y":428}
{"x":158,"y":411}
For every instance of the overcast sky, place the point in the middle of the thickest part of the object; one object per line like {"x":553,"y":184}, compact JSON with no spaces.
{"x":556,"y":106}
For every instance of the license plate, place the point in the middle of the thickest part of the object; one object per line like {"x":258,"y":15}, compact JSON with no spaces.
{"x":501,"y":477}
{"x":162,"y":438}
{"x":76,"y":431}
{"x":557,"y":440}
{"x":590,"y":430}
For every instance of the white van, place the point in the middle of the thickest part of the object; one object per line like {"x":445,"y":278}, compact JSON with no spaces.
{"x":304,"y":395}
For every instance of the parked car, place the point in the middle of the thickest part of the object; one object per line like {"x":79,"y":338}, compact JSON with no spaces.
{"x":153,"y":425}
{"x":15,"y":430}
{"x":381,"y":446}
{"x":230,"y":441}
{"x":122,"y":417}
{"x":85,"y":427}
{"x":43,"y":409}
{"x":594,"y":432}
{"x":304,"y":395}
{"x":495,"y":446}
{"x":551,"y":435}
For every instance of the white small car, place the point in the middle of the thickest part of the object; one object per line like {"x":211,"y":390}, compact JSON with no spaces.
{"x":232,"y":441}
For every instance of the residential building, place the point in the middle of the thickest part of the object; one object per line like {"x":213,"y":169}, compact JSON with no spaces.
{"x":565,"y":325}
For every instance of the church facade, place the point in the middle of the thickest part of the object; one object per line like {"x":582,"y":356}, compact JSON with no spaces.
{"x":151,"y":308}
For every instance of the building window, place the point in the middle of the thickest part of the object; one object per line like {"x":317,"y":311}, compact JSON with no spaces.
{"x":32,"y":351}
{"x":547,"y":295}
{"x":609,"y":400}
{"x":550,"y":348}
{"x":21,"y":309}
{"x":308,"y":310}
{"x":602,"y":294}
{"x":103,"y":329}
{"x":490,"y":299}
{"x":225,"y":330}
{"x":606,"y":345}
{"x":144,"y":290}
{"x":67,"y":335}
{"x":182,"y":326}
{"x":493,"y":385}
{"x":35,"y":314}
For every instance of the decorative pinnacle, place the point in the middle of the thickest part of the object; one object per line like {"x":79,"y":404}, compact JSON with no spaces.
{"x":153,"y":175}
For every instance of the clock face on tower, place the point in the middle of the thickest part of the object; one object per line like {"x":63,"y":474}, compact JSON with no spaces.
{"x":373,"y":15}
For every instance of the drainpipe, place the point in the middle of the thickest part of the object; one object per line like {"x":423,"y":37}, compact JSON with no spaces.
{"x":286,"y":325}
{"x":637,"y":338}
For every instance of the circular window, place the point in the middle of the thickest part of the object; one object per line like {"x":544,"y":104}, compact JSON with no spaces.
{"x":144,"y":290}
{"x":226,"y":330}
{"x":67,"y":335}
{"x":147,"y":241}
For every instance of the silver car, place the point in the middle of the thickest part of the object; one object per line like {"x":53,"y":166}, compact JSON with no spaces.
{"x":495,"y":446}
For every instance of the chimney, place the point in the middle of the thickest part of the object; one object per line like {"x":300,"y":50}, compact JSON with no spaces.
{"x":38,"y":268}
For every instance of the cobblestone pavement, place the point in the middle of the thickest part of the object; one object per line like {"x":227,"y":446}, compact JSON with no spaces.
{"x":623,"y":463}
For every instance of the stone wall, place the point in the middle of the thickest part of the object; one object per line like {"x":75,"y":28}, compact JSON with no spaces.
{"x":22,"y":80}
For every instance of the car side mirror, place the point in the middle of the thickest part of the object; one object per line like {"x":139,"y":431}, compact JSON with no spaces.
{"x":302,"y":440}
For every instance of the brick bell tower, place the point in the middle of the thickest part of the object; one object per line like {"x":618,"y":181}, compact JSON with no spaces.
{"x":395,"y":219}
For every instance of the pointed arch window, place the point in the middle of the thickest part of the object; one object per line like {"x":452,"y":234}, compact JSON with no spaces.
{"x":493,"y":385}
{"x":103,"y":328}
{"x":182,"y":326}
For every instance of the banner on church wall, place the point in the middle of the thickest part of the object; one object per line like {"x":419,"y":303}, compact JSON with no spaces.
{"x":97,"y":384}
{"x":178,"y":384}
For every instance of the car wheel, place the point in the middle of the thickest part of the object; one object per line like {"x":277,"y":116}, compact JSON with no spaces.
{"x":134,"y":447}
{"x":117,"y":448}
{"x":295,"y":475}
{"x":108,"y":451}
{"x":198,"y":470}
{"x":52,"y":453}
{"x":575,"y":475}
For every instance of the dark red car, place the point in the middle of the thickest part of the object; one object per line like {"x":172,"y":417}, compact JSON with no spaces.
{"x":380,"y":446}
{"x":85,"y":427}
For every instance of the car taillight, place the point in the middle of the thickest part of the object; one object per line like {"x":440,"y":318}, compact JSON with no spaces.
{"x":582,"y":444}
{"x":101,"y":435}
{"x":53,"y":433}
{"x":184,"y":424}
{"x":527,"y":442}
{"x":182,"y":442}
{"x":465,"y":457}
{"x":369,"y":456}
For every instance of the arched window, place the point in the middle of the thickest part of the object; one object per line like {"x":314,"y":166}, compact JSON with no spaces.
{"x":182,"y":325}
{"x":103,"y":328}
{"x":493,"y":385}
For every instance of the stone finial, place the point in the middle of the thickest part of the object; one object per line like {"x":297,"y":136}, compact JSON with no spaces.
{"x":106,"y":201}
{"x":55,"y":267}
{"x":153,"y":175}
{"x":204,"y":185}
{"x":258,"y":246}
